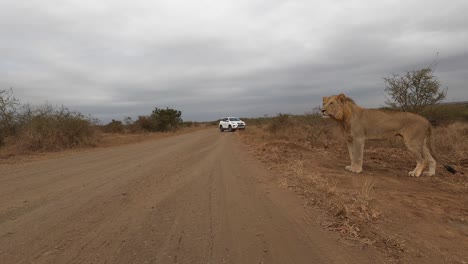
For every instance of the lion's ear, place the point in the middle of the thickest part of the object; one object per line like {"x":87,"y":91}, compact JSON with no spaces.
{"x":325,"y":99}
{"x":341,"y":97}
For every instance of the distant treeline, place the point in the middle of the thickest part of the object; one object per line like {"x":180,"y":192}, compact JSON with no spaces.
{"x":27,"y":128}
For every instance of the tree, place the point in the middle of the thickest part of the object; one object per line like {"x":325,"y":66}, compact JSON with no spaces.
{"x":416,"y":91}
{"x":8,"y":114}
{"x":166,"y":119}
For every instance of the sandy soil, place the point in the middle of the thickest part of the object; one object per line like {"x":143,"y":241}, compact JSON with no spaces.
{"x":192,"y":198}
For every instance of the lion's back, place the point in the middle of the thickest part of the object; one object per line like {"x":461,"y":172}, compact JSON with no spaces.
{"x":385,"y":123}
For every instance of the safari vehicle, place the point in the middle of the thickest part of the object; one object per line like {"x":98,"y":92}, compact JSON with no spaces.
{"x":231,"y":124}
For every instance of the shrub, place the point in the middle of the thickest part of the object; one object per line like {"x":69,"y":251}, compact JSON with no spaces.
{"x":115,"y":126}
{"x":160,"y":120}
{"x":49,"y":128}
{"x":166,"y":119}
{"x":24,"y":128}
{"x":143,"y":123}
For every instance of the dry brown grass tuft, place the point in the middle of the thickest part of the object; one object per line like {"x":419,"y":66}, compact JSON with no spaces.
{"x":362,"y":197}
{"x":452,"y":140}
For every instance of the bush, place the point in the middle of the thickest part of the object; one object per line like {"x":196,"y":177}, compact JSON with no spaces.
{"x":24,"y":128}
{"x":166,"y":119}
{"x":49,"y":128}
{"x":114,"y":126}
{"x":142,"y":124}
{"x":160,"y":120}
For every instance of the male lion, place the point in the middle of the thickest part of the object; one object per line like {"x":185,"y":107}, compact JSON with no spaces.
{"x":358,"y":124}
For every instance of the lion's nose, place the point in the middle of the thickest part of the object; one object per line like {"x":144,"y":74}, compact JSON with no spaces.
{"x":323,"y":110}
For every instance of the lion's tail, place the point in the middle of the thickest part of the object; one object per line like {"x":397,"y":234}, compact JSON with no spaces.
{"x":433,"y":153}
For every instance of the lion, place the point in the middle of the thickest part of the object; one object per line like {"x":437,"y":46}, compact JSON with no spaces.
{"x":359,"y":124}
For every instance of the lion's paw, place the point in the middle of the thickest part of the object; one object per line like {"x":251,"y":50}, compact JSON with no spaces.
{"x":351,"y":169}
{"x":413,"y":174}
{"x":427,"y":173}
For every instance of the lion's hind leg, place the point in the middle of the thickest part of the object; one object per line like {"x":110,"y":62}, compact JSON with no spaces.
{"x":418,"y":170}
{"x":430,"y":161}
{"x":416,"y":148}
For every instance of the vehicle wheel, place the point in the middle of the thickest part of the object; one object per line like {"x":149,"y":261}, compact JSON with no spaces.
{"x":230,"y":129}
{"x":221,"y":129}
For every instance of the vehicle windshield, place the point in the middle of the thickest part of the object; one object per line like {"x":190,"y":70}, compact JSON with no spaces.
{"x":234,"y":119}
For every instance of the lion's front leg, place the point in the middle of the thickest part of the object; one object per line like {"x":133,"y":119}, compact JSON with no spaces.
{"x":351,"y":153}
{"x":356,"y":152}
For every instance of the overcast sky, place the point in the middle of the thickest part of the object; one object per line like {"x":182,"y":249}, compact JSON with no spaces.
{"x":208,"y":59}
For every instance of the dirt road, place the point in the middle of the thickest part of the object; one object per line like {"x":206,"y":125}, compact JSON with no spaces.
{"x":193,"y":198}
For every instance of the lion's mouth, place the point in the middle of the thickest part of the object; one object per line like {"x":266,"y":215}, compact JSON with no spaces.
{"x":325,"y":115}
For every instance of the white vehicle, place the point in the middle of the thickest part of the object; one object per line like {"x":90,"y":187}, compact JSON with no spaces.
{"x":231,"y":124}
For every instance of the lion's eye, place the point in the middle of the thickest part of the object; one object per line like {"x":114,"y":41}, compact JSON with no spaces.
{"x":331,"y":103}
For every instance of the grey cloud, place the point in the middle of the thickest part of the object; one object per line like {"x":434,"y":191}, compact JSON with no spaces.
{"x":248,"y":58}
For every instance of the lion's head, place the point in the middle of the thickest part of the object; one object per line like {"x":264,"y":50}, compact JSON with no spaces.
{"x":333,"y":106}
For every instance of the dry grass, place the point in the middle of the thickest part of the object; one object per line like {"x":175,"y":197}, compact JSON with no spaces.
{"x":452,"y":140}
{"x":47,"y":128}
